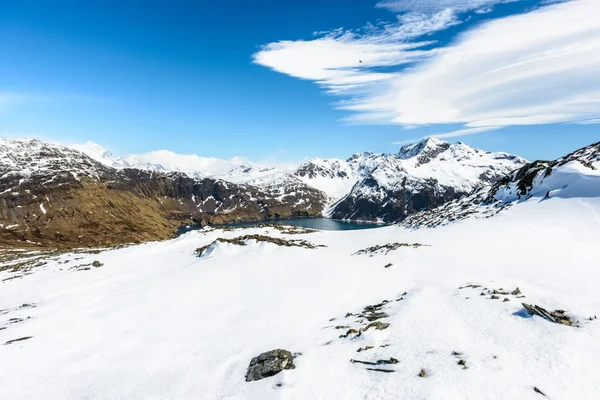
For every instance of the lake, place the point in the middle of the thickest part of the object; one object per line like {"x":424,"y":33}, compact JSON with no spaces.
{"x":316,"y":223}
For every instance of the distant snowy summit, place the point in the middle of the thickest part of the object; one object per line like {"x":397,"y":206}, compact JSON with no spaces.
{"x":103,"y":156}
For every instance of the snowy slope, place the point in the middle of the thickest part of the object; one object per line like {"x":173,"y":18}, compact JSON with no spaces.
{"x":157,"y":322}
{"x":574,"y":175}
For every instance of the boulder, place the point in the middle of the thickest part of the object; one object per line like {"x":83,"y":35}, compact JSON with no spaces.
{"x":269,"y":364}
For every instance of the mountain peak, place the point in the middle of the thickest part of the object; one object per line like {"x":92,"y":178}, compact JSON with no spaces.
{"x":426,"y":145}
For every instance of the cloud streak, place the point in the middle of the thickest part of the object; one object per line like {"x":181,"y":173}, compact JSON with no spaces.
{"x":431,"y":6}
{"x":539,"y":67}
{"x":456,"y":133}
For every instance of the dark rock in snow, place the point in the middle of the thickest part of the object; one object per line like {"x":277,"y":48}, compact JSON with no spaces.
{"x":539,"y":391}
{"x":556,"y":316}
{"x":269,"y":364}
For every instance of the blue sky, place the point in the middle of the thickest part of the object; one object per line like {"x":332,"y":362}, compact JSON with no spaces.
{"x":250,"y":79}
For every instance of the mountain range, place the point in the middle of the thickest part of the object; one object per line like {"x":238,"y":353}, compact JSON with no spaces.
{"x":366,"y":186}
{"x":84,"y":195}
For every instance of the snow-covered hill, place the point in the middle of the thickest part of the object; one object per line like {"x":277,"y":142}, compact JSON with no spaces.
{"x":156,"y":321}
{"x":574,"y":175}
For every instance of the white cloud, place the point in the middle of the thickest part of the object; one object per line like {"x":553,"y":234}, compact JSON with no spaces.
{"x":534,"y":68}
{"x":592,"y":121}
{"x":343,"y":61}
{"x":457,"y":133}
{"x":190,"y":163}
{"x":430,"y":6}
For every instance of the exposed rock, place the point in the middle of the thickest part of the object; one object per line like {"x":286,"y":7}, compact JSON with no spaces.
{"x":556,"y":316}
{"x":387,"y":371}
{"x":268,"y":364}
{"x":535,"y":389}
{"x":392,"y":360}
{"x":377,"y":325}
{"x":350,"y":332}
{"x":364,"y":349}
{"x":241,"y":241}
{"x":505,"y":300}
{"x":423,"y":373}
{"x":516,"y":292}
{"x":386,"y":248}
{"x":375,"y":316}
{"x":97,"y":264}
{"x":388,"y":265}
{"x":18,"y":340}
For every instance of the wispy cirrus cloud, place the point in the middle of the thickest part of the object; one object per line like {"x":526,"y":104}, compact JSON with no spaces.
{"x":456,"y":133}
{"x":537,"y":67}
{"x":342,"y":60}
{"x":431,"y":6}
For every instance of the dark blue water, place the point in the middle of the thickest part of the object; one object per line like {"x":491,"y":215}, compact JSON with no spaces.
{"x":316,"y":223}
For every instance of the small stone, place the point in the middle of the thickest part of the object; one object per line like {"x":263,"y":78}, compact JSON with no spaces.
{"x":388,"y":265}
{"x":456,"y":353}
{"x":19,"y":339}
{"x":349,"y":315}
{"x":423,"y":373}
{"x":494,"y":297}
{"x":505,"y":300}
{"x":539,"y":391}
{"x":516,"y":292}
{"x":97,"y":264}
{"x":364,"y":349}
{"x":377,"y":325}
{"x":462,"y":363}
{"x":350,"y":332}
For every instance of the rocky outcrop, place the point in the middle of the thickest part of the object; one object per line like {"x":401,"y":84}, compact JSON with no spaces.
{"x":556,"y":316}
{"x":269,"y":364}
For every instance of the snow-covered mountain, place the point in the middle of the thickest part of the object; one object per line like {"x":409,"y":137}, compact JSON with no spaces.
{"x":366,"y":186}
{"x":576,"y":175}
{"x":100,"y":154}
{"x":388,"y":187}
{"x":419,"y":177}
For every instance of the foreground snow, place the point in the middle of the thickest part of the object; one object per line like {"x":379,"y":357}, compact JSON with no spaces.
{"x":157,"y":322}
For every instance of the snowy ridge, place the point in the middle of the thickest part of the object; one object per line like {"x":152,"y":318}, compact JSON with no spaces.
{"x":103,"y":156}
{"x":31,"y":159}
{"x":576,"y":175}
